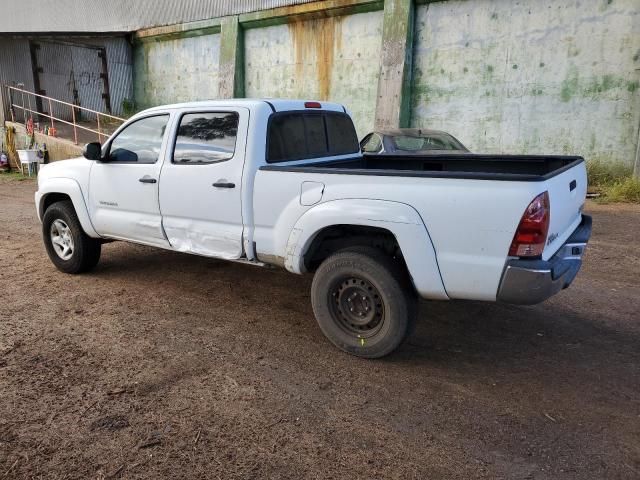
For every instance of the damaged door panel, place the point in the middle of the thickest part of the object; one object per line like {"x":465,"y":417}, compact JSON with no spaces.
{"x":200,"y":194}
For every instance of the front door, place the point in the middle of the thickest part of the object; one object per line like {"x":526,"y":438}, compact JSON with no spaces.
{"x":200,"y":184}
{"x":123,"y":189}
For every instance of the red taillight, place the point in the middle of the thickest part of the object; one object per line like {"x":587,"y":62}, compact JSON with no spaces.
{"x":312,"y":105}
{"x":531,"y":234}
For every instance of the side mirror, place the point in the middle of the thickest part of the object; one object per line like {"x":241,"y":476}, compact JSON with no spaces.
{"x":92,"y":151}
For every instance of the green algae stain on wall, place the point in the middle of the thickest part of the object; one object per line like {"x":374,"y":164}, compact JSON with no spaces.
{"x":576,"y":88}
{"x":596,"y":88}
{"x":569,"y":85}
{"x":176,"y":70}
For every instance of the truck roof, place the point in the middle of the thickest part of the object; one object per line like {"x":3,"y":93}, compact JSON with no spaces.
{"x":275,"y":104}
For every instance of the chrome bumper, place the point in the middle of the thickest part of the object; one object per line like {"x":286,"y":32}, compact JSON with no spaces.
{"x":527,"y":282}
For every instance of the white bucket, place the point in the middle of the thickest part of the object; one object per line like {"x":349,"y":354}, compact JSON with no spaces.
{"x":28,"y":156}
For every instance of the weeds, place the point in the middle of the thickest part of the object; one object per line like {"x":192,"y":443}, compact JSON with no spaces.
{"x":627,"y":190}
{"x":129,"y":108}
{"x":613,"y":181}
{"x":607,"y":173}
{"x":15,"y":177}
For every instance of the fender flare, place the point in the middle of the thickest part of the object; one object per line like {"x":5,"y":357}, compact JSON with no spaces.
{"x":402,"y":220}
{"x":71,"y":188}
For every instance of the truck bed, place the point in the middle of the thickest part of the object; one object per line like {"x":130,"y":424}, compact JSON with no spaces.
{"x":470,"y":166}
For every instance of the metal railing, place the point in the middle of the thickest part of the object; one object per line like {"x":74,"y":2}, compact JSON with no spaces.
{"x":75,"y":109}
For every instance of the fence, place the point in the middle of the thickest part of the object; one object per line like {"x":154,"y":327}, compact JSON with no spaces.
{"x":29,"y":100}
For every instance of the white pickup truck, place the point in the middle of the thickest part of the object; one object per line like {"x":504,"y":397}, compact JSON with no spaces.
{"x":283,"y":183}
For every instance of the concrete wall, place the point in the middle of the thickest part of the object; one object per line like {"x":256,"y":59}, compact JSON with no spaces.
{"x":58,"y":148}
{"x":534,"y":76}
{"x":335,"y":58}
{"x":176,"y":70}
{"x":527,"y":76}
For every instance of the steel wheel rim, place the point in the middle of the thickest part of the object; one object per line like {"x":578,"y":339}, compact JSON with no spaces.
{"x":356,"y":306}
{"x":61,"y":239}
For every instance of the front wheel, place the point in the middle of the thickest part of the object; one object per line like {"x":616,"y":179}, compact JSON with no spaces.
{"x":69,"y":248}
{"x":364,"y":302}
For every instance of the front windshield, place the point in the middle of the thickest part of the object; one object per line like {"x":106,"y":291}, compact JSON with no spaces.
{"x":432,"y":141}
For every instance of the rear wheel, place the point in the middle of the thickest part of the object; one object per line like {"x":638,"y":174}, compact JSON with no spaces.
{"x":363,"y":301}
{"x":69,"y":248}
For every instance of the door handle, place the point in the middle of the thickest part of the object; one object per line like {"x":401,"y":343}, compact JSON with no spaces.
{"x":224,"y":185}
{"x":147,"y":180}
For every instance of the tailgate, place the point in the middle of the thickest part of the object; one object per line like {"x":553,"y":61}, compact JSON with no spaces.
{"x":567,"y":193}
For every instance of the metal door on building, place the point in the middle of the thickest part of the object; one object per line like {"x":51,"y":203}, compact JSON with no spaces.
{"x":72,"y":73}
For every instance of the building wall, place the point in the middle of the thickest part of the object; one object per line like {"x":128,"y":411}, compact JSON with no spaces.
{"x":176,"y":70}
{"x":534,"y":76}
{"x":120,"y":70}
{"x":334,"y":58}
{"x":67,"y":62}
{"x":14,"y":69}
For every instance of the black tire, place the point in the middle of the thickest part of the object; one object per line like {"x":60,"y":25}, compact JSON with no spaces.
{"x":375,"y":326}
{"x":85,"y":251}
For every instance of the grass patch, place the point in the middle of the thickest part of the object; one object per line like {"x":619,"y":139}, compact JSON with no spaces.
{"x":16,"y":177}
{"x":602,"y":174}
{"x":626,"y":190}
{"x":614,"y":181}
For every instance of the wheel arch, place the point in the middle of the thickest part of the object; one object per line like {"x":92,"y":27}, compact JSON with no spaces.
{"x":60,"y":189}
{"x":384,"y":224}
{"x":333,"y":238}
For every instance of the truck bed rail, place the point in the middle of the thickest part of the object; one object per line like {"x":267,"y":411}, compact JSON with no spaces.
{"x":523,"y":168}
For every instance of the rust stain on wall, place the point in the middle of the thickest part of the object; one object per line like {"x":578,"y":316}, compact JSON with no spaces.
{"x":315,"y":43}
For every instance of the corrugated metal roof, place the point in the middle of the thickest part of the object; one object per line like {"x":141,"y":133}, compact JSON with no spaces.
{"x":96,"y":16}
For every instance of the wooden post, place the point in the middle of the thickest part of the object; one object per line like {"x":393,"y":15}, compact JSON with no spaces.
{"x":75,"y":130}
{"x":393,"y":107}
{"x":636,"y":164}
{"x":51,"y":115}
{"x":231,"y":68}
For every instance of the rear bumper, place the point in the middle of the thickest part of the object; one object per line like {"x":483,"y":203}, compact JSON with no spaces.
{"x":527,"y":282}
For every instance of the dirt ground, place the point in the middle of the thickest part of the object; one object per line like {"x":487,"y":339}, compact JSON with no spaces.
{"x":164,"y":365}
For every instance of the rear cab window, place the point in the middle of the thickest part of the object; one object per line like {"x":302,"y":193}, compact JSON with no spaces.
{"x":302,"y":135}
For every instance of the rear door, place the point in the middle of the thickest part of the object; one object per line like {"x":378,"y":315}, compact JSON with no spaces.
{"x":200,"y":184}
{"x":567,"y":193}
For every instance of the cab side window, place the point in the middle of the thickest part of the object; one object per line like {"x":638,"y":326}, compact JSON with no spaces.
{"x":140,"y":141}
{"x":206,"y":138}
